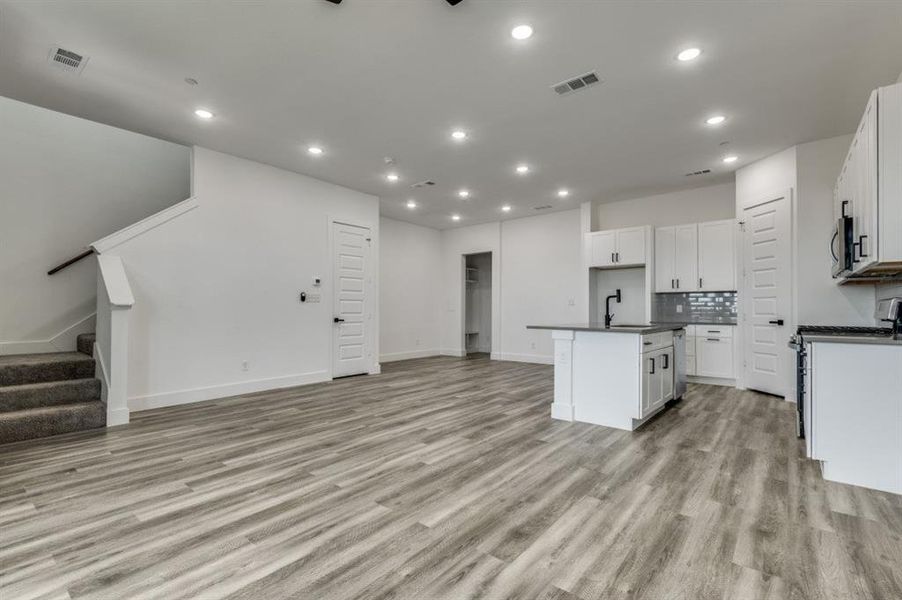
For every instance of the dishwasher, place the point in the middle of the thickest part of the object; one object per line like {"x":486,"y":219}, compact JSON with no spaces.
{"x":679,"y":360}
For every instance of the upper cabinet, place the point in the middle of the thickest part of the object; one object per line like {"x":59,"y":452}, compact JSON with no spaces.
{"x":695,"y":257}
{"x":617,"y":247}
{"x":716,"y":261}
{"x":676,"y":258}
{"x":870,"y":186}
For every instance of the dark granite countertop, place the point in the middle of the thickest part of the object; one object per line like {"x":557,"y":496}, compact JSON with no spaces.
{"x":685,"y":323}
{"x":600,"y":328}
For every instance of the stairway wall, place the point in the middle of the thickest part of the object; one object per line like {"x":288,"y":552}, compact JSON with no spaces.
{"x":65,"y":182}
{"x":218,"y":286}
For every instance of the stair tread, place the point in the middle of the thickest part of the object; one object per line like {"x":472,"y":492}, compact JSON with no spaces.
{"x":39,"y":359}
{"x":47,"y":384}
{"x":51,"y":410}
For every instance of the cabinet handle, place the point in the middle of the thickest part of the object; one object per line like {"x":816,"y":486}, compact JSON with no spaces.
{"x":713,"y":339}
{"x":855,"y":260}
{"x":618,"y":257}
{"x":612,"y":257}
{"x":672,"y":283}
{"x":699,"y":282}
{"x":678,"y":283}
{"x":666,"y":361}
{"x":861,"y":252}
{"x":652,"y":372}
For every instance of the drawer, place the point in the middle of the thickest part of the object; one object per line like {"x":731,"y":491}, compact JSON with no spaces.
{"x":655,"y":341}
{"x":690,"y":345}
{"x":714,"y":331}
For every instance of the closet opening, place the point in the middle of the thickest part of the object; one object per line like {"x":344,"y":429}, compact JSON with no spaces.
{"x":478,"y":305}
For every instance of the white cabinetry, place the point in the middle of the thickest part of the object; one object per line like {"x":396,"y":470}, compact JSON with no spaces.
{"x":716,"y":263}
{"x":870,"y":183}
{"x":695,"y":257}
{"x":617,"y":247}
{"x":714,"y":351}
{"x":676,"y":258}
{"x":854,"y":413}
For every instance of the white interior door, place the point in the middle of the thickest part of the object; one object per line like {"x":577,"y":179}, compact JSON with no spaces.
{"x":767,"y":304}
{"x":351,"y":345}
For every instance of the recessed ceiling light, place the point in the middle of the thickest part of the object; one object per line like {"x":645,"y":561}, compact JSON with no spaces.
{"x":521,"y":32}
{"x":563,"y":193}
{"x":522,"y":169}
{"x":506,"y":208}
{"x":393,"y":177}
{"x":315,"y":150}
{"x":715,"y":120}
{"x":689,"y":54}
{"x":455,"y":217}
{"x":730,"y":159}
{"x":459,"y":134}
{"x":203,"y":113}
{"x":464,"y":193}
{"x":411,"y":204}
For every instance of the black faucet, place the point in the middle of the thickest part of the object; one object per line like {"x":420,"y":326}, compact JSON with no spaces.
{"x":607,"y":309}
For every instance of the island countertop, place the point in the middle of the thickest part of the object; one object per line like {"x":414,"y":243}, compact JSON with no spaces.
{"x":600,"y":328}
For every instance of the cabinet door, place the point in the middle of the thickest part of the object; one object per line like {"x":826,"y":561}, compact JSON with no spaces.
{"x":714,"y":357}
{"x":665,"y":259}
{"x":603,"y":247}
{"x":686,"y":264}
{"x":716,"y":267}
{"x":667,"y":372}
{"x":631,"y":246}
{"x":652,"y":381}
{"x":866,"y":167}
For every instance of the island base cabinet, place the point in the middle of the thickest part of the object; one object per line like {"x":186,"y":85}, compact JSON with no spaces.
{"x":657,"y":380}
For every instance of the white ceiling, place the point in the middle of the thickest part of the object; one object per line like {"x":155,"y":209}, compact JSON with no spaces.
{"x":374,"y":78}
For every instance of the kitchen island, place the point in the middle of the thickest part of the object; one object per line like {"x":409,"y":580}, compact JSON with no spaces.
{"x":617,"y":376}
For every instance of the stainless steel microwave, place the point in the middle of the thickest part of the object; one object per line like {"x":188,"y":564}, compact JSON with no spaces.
{"x":842,"y":246}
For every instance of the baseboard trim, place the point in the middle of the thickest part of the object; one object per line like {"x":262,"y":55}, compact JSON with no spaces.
{"x":561,"y":412}
{"x":453,"y":352}
{"x":711,"y":380}
{"x":395,"y":356}
{"x":64,"y":341}
{"x":541,"y":359}
{"x":151,"y":401}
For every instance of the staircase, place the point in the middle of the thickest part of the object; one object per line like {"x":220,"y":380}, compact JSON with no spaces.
{"x":49,"y":394}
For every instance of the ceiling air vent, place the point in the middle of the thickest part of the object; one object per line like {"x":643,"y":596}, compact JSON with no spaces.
{"x":702,"y":172}
{"x":543,"y":207}
{"x":420,"y":184}
{"x":577,"y":83}
{"x":67,"y":60}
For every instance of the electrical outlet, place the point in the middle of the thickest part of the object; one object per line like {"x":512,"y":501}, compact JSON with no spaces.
{"x":313,"y":298}
{"x":418,"y":342}
{"x":571,"y":302}
{"x":679,"y":308}
{"x":532,"y":345}
{"x":244,"y":365}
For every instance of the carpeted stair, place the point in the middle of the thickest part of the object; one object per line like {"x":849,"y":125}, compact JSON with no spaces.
{"x":48,"y":394}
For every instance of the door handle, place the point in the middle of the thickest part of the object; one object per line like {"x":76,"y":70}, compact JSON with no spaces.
{"x":338,"y":320}
{"x":777,"y":322}
{"x":652,"y":372}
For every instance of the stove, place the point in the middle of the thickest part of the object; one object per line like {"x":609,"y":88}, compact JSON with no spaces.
{"x":842,"y":330}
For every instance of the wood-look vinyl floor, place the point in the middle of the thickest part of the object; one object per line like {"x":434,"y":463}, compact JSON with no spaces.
{"x":440,"y":478}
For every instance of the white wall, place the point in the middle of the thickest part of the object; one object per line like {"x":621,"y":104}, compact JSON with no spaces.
{"x":65,"y":182}
{"x":710,"y":203}
{"x":410,"y":298}
{"x":820,"y":300}
{"x":219,"y":285}
{"x":541,"y":271}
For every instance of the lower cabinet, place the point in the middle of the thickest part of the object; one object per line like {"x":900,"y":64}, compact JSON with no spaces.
{"x":657,"y":379}
{"x":709,"y":351}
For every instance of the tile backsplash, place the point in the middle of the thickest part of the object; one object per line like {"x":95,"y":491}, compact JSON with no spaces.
{"x":697,"y":307}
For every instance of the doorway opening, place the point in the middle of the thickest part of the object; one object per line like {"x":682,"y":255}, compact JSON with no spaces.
{"x":478,"y":305}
